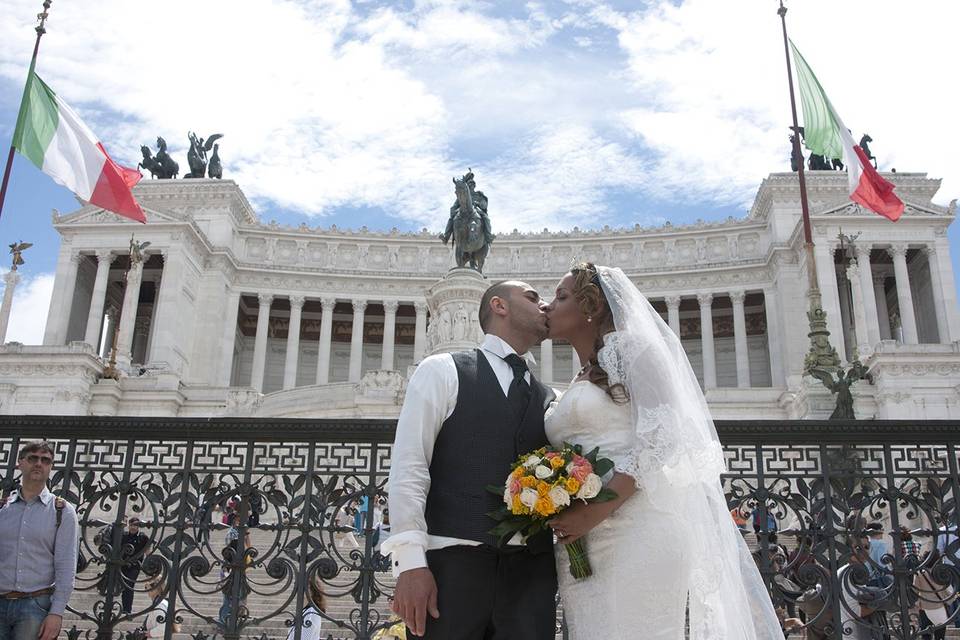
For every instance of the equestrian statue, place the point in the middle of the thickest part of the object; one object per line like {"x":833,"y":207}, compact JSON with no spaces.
{"x":469,"y":224}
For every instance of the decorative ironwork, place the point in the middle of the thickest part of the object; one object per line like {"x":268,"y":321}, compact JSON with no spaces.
{"x":805,"y":493}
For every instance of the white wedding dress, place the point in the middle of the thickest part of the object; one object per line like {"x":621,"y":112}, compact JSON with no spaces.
{"x":635,"y":553}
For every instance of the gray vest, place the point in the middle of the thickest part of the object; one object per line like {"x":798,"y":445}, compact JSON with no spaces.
{"x":476,"y":447}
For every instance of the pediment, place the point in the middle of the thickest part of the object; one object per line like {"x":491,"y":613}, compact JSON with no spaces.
{"x":90,"y":214}
{"x":910,"y":209}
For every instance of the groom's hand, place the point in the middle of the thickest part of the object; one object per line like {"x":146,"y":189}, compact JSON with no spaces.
{"x":416,"y":595}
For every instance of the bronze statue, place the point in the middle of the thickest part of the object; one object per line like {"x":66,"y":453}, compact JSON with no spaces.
{"x":469,"y":224}
{"x":161,"y":166}
{"x":197,"y":155}
{"x":864,"y":144}
{"x":16,"y":250}
{"x":136,"y":251}
{"x":215,"y":168}
{"x":841,"y":387}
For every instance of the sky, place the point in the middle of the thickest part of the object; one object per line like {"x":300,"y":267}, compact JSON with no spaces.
{"x":570,"y":112}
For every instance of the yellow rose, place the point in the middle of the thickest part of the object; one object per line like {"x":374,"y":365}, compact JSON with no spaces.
{"x":528,"y":482}
{"x":557,"y":462}
{"x":517,"y":472}
{"x":517,"y":507}
{"x":572,"y":485}
{"x":543,"y":488}
{"x":544,"y":506}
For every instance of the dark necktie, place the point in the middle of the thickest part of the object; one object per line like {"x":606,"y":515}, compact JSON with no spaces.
{"x":518,"y":395}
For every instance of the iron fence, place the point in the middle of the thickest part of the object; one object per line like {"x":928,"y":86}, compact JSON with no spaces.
{"x":241,"y":515}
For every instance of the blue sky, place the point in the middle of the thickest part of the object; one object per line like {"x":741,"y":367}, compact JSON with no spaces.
{"x":571,"y":112}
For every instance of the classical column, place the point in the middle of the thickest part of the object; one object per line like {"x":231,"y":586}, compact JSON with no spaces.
{"x":859,"y":311}
{"x":774,"y":347}
{"x":323,"y":344}
{"x":389,"y":333}
{"x":98,"y":298}
{"x":673,"y":313}
{"x":293,"y":343}
{"x":829,"y":294}
{"x":260,"y":343}
{"x":706,"y":340}
{"x":128,"y":313}
{"x":883,"y":310}
{"x":869,"y":300}
{"x":904,"y":297}
{"x":740,"y":338}
{"x":356,"y":341}
{"x":420,"y":331}
{"x":229,"y":337}
{"x":112,"y":322}
{"x":936,"y":282}
{"x":166,"y":312}
{"x":546,"y":361}
{"x":61,"y":302}
{"x":12,"y":279}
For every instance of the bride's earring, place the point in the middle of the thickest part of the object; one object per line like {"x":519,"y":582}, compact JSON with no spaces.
{"x":589,"y":318}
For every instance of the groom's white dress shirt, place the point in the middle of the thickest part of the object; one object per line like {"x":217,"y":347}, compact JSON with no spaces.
{"x":430,"y":399}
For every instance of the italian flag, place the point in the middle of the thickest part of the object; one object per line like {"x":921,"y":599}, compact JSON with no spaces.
{"x":825,"y":134}
{"x":55,"y":139}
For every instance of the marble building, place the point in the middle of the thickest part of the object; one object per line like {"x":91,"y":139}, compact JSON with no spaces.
{"x":228,"y":315}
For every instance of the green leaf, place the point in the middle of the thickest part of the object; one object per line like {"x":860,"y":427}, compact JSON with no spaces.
{"x":602,"y":466}
{"x":495,"y":490}
{"x":605,"y":495}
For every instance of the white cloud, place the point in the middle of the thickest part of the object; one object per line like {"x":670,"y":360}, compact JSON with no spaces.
{"x":31,"y":302}
{"x":566,"y":110}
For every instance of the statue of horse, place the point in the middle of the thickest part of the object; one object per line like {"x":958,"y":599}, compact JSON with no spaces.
{"x":167,"y":167}
{"x":469,"y":244}
{"x":865,"y":145}
{"x":149,"y":162}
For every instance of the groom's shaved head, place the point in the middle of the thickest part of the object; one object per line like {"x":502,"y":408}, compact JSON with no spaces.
{"x":503,"y":289}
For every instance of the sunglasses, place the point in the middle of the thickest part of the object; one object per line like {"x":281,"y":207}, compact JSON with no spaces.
{"x":34,"y":459}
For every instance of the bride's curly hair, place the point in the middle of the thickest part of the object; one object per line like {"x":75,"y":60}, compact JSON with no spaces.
{"x":589,"y":296}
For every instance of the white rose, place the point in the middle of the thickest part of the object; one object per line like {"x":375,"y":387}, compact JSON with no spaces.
{"x":507,"y":497}
{"x":531,"y":461}
{"x":559,"y":497}
{"x":590,"y":488}
{"x":543,"y":471}
{"x":529,"y":497}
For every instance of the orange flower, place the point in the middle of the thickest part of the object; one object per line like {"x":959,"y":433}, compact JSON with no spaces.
{"x":544,"y":506}
{"x":543,"y":488}
{"x":517,"y":508}
{"x":557,"y":462}
{"x":528,"y":482}
{"x":572,"y":485}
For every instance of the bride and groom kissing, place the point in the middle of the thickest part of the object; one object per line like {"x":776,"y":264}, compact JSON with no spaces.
{"x":665,"y":552}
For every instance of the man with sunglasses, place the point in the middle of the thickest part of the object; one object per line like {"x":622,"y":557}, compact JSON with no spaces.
{"x":38,"y":551}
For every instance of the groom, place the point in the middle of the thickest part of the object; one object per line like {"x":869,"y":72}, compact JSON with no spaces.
{"x":466,"y":418}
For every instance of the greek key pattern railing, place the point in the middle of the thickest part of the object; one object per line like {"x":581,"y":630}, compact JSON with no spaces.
{"x":308,"y":496}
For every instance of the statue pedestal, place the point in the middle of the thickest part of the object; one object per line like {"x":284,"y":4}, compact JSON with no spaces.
{"x":454,"y":303}
{"x":11,"y":278}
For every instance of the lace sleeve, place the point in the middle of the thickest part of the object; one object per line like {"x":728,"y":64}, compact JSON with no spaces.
{"x":665,"y":436}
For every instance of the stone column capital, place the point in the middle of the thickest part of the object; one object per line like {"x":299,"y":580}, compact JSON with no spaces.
{"x":11,"y":278}
{"x":705,"y":299}
{"x":74,"y":257}
{"x":898,"y":250}
{"x":390,"y":306}
{"x":296,"y":302}
{"x":673,"y":302}
{"x":327,"y":303}
{"x":420,"y":307}
{"x":104,"y":255}
{"x":862,"y":251}
{"x":879,"y":279}
{"x":359,"y":306}
{"x":265,"y":299}
{"x":930,"y":250}
{"x":737,"y":297}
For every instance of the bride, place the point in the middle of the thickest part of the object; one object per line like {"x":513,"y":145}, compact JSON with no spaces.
{"x":667,"y":541}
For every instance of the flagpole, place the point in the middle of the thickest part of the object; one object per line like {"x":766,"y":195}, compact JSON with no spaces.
{"x":40,"y":29}
{"x":821,"y":355}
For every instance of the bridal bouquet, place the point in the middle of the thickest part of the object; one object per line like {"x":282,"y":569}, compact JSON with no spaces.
{"x":542,"y":484}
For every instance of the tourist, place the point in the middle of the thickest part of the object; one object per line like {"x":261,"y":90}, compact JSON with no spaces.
{"x":880,"y":556}
{"x":38,"y":551}
{"x":908,"y":546}
{"x":132,"y":545}
{"x":854,"y":616}
{"x":312,"y":614}
{"x":155,"y":623}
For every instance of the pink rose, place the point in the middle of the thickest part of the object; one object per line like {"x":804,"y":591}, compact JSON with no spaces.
{"x":514,"y":486}
{"x":581,"y":471}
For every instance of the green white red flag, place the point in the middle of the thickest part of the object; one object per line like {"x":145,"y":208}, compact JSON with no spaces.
{"x":55,"y":139}
{"x":825,"y":134}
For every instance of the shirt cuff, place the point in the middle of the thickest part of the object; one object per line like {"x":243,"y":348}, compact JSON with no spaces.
{"x":57,"y":607}
{"x":406,"y":557}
